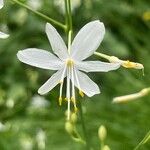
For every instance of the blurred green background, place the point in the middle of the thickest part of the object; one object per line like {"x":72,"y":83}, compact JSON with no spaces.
{"x":28,"y":121}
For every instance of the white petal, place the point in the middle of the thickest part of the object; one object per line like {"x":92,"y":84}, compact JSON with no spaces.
{"x":56,"y":42}
{"x":3,"y":35}
{"x":96,"y":66}
{"x":87,"y":40}
{"x":51,"y":82}
{"x":39,"y":58}
{"x":1,"y":3}
{"x":89,"y":87}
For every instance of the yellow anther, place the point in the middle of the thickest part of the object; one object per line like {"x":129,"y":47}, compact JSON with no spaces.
{"x":74,"y":103}
{"x":146,"y":16}
{"x":70,"y":62}
{"x":81,"y":93}
{"x":60,"y":101}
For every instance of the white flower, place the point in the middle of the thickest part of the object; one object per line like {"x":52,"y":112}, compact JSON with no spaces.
{"x":3,"y":35}
{"x":1,"y":3}
{"x":70,"y":64}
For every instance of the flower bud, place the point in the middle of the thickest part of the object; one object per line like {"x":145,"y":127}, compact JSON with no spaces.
{"x":106,"y":147}
{"x":130,"y":97}
{"x":69,"y":127}
{"x":102,"y":133}
{"x":74,"y":118}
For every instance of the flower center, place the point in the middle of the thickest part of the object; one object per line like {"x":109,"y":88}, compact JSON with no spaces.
{"x":72,"y":77}
{"x":70,"y":62}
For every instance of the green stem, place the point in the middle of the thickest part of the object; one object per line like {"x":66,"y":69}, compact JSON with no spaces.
{"x":83,"y":126}
{"x":67,"y":15}
{"x":50,"y":20}
{"x":69,"y":41}
{"x":102,"y":145}
{"x":70,"y":15}
{"x":68,"y":19}
{"x":102,"y":55}
{"x":144,"y":140}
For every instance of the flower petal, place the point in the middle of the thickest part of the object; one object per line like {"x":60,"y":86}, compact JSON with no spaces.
{"x":87,"y":40}
{"x":56,"y":42}
{"x":1,"y":3}
{"x":51,"y":82}
{"x":3,"y":35}
{"x":89,"y":87}
{"x":39,"y":58}
{"x":97,"y":66}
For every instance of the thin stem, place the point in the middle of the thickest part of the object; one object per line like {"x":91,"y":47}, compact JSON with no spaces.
{"x":102,"y":145}
{"x":53,"y":21}
{"x":144,"y":140}
{"x":67,"y":15}
{"x":69,"y":19}
{"x":102,"y":55}
{"x":69,"y":41}
{"x":83,"y":126}
{"x":70,"y":15}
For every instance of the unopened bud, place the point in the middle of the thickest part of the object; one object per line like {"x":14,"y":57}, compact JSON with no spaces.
{"x":69,"y":127}
{"x":130,"y":97}
{"x":106,"y":147}
{"x":102,"y":133}
{"x":74,"y":118}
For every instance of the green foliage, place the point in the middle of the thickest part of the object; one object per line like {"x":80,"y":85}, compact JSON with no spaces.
{"x":127,"y":37}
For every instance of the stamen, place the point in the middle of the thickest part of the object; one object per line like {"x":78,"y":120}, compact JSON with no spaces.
{"x":61,"y":85}
{"x":74,"y":104}
{"x":80,"y":91}
{"x":60,"y":101}
{"x":68,"y":91}
{"x":73,"y":99}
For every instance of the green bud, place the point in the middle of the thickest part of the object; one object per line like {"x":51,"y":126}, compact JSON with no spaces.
{"x":106,"y":147}
{"x":102,"y":133}
{"x":74,"y":118}
{"x":69,"y":127}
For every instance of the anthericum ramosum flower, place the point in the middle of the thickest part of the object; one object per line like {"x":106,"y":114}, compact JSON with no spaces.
{"x":1,"y":3}
{"x":70,"y":63}
{"x":3,"y":35}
